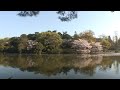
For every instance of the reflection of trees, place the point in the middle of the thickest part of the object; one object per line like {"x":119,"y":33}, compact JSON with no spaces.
{"x":106,"y":63}
{"x":109,"y":62}
{"x":88,"y":64}
{"x":54,"y":64}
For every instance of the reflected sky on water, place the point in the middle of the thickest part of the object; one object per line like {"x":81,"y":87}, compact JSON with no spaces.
{"x":59,"y":67}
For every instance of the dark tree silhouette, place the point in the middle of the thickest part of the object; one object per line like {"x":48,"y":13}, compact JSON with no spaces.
{"x":64,"y":15}
{"x":67,"y":15}
{"x":28,"y":13}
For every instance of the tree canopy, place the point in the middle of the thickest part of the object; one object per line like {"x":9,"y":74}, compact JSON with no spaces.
{"x":53,"y":42}
{"x":88,"y":35}
{"x":64,"y":15}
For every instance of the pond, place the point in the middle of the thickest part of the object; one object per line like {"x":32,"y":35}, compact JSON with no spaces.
{"x":59,"y":67}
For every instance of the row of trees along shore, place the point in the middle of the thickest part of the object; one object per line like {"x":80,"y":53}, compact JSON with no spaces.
{"x":53,"y":42}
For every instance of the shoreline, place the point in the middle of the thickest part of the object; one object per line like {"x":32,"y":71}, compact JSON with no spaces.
{"x":100,"y":54}
{"x":111,"y":54}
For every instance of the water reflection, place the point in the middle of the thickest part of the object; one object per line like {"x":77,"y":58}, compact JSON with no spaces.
{"x":53,"y":65}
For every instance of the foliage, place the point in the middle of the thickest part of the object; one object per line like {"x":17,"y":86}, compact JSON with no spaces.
{"x":31,"y":36}
{"x":88,"y":35}
{"x":22,"y":43}
{"x":13,"y":44}
{"x":65,"y":35}
{"x":106,"y":44}
{"x":76,"y":36}
{"x":28,"y":13}
{"x":50,"y":40}
{"x":81,"y":46}
{"x":66,"y":44}
{"x":53,"y":42}
{"x":3,"y":44}
{"x":38,"y":48}
{"x":96,"y":47}
{"x":64,"y":15}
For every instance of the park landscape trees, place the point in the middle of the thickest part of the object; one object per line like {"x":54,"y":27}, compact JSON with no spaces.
{"x":57,"y":42}
{"x":53,"y":42}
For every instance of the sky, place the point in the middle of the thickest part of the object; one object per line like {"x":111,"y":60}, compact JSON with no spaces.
{"x":100,"y":22}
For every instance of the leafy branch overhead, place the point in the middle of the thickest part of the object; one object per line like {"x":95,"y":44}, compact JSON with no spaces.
{"x":64,"y":15}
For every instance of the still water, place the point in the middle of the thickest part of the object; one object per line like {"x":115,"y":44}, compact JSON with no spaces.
{"x":59,"y":67}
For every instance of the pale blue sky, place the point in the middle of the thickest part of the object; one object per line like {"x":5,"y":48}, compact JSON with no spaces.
{"x":101,"y":22}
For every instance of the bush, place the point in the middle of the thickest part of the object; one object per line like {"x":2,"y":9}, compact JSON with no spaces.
{"x":116,"y":51}
{"x":68,"y":51}
{"x":56,"y":51}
